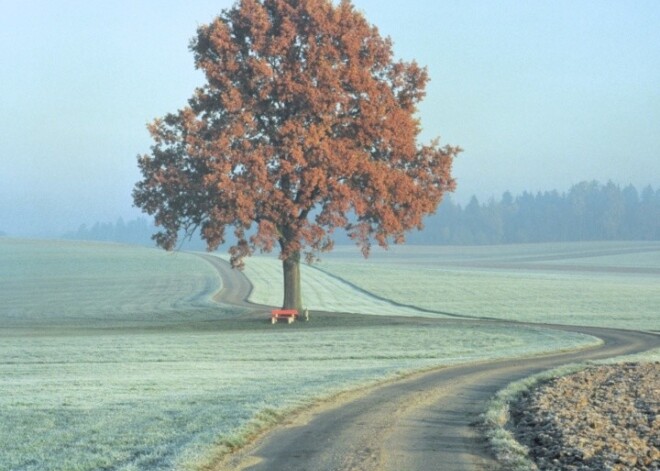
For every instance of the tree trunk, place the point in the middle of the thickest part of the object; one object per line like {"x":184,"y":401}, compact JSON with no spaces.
{"x":292,"y":292}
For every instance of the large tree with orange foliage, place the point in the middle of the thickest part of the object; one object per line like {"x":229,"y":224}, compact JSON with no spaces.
{"x":305,"y":124}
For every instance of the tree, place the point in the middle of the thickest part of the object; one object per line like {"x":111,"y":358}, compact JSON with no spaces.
{"x":612,"y":211}
{"x":305,"y":124}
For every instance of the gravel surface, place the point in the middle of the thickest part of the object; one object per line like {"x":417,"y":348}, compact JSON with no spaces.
{"x":603,"y":418}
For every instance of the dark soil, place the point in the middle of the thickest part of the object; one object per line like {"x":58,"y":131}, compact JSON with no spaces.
{"x":602,"y":418}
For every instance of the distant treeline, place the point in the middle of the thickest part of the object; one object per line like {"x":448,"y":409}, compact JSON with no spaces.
{"x":137,"y":231}
{"x":588,"y":211}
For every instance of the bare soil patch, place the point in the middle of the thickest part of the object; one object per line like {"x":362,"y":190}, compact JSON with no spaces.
{"x":602,"y":418}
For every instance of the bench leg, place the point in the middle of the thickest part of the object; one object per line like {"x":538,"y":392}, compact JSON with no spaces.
{"x":273,"y":320}
{"x":289,"y":320}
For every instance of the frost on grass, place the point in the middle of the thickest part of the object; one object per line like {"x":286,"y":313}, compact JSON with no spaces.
{"x":84,"y":283}
{"x":320,"y":291}
{"x":519,"y":283}
{"x":98,"y":393}
{"x":159,"y":400}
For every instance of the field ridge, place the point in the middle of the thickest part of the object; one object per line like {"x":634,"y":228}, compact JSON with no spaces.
{"x":396,"y":303}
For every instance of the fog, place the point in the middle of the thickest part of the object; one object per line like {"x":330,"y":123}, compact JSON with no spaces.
{"x":541,"y":95}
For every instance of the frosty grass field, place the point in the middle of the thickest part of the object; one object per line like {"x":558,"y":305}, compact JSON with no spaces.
{"x":115,"y":357}
{"x":609,"y":284}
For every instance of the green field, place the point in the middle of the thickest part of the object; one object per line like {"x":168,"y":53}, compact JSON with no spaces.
{"x":602,"y":284}
{"x":115,"y":357}
{"x":320,"y":291}
{"x":83,"y":284}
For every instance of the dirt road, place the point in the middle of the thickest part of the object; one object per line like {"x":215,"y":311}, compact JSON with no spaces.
{"x":424,"y":422}
{"x":236,"y":288}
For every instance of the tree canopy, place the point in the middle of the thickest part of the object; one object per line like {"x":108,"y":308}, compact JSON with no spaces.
{"x":305,"y":124}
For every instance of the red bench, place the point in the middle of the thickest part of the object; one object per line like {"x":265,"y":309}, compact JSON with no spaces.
{"x":289,"y":314}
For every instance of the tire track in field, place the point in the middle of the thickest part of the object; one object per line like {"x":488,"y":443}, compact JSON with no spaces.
{"x":396,"y":303}
{"x":423,"y":422}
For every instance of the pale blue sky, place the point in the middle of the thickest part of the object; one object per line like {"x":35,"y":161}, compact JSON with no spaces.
{"x":540,"y":94}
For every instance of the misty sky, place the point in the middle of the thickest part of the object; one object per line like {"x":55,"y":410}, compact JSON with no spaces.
{"x":541,"y":95}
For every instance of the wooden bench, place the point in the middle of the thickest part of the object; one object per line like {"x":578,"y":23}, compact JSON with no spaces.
{"x":289,"y":314}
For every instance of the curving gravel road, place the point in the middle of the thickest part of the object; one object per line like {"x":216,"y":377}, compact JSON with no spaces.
{"x":423,"y":422}
{"x":236,"y":288}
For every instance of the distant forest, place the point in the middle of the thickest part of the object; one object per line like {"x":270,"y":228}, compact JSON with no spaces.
{"x":138,"y":232}
{"x":588,"y":211}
